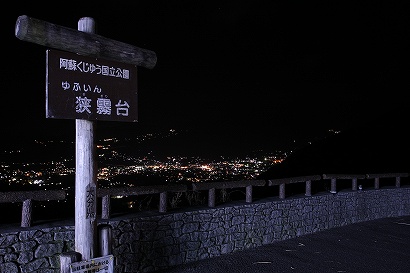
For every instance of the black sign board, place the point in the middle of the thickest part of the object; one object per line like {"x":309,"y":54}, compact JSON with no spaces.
{"x":80,"y":87}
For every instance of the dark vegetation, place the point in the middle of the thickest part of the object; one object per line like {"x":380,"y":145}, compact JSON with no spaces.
{"x":372,"y":148}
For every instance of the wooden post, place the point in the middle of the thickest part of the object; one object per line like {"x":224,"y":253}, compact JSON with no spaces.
{"x":249,"y":194}
{"x":163,"y":197}
{"x":333,"y":185}
{"x":26,"y":213}
{"x":354,"y":184}
{"x":80,"y":42}
{"x":211,"y":198}
{"x":308,"y":188}
{"x":68,"y":258}
{"x":282,"y":191}
{"x":106,"y":207}
{"x":85,"y":178}
{"x":398,"y":182}
{"x":376,"y":183}
{"x":105,"y":240}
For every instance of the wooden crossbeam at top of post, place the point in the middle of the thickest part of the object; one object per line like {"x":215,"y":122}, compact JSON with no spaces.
{"x":88,"y":44}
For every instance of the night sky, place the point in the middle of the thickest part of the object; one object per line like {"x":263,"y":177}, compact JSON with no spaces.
{"x":265,"y":72}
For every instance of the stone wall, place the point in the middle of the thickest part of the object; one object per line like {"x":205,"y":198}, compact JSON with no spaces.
{"x":150,"y":241}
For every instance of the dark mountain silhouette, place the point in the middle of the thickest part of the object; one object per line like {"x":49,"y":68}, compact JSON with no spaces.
{"x":377,"y":147}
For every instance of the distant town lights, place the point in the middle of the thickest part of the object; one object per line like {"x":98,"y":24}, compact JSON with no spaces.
{"x":206,"y":167}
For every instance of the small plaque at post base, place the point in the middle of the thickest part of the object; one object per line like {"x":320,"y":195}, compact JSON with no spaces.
{"x":101,"y":265}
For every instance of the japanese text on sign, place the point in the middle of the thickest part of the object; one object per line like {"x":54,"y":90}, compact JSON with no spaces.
{"x":85,"y":88}
{"x":98,"y":265}
{"x":84,"y":67}
{"x":91,"y":201}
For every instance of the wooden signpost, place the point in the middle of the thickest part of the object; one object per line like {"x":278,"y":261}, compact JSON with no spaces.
{"x":86,"y":43}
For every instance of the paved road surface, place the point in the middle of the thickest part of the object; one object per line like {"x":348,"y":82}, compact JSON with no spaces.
{"x":377,"y":246}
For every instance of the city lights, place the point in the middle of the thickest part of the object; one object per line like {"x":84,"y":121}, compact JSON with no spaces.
{"x":120,"y":169}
